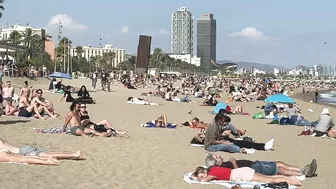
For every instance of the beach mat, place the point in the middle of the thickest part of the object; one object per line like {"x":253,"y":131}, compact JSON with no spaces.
{"x":197,"y":145}
{"x":228,"y":184}
{"x":152,"y":125}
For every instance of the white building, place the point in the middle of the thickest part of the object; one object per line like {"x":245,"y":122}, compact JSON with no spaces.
{"x":187,"y":58}
{"x":276,"y":71}
{"x":256,"y":71}
{"x":182,"y":32}
{"x":89,"y":52}
{"x":5,"y":32}
{"x":240,"y":71}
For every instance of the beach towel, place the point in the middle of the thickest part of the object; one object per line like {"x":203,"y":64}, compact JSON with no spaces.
{"x":56,"y":130}
{"x":152,"y":125}
{"x":228,"y":184}
{"x":197,"y":145}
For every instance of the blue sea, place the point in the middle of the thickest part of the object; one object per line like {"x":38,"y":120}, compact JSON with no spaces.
{"x":328,"y":97}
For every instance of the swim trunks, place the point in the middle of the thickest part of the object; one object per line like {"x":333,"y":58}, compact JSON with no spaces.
{"x":74,"y":129}
{"x":29,"y":151}
{"x":24,"y":113}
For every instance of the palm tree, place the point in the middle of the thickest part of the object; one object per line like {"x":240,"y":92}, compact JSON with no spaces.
{"x":1,"y":7}
{"x":15,"y":38}
{"x":107,"y":60}
{"x":63,"y":49}
{"x":79,"y":51}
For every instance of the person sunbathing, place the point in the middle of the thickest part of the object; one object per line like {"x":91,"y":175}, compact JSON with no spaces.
{"x":240,"y":174}
{"x":210,"y":101}
{"x":73,"y":119}
{"x":26,"y":109}
{"x":140,"y":101}
{"x":33,"y":155}
{"x":10,"y":110}
{"x":102,"y":126}
{"x":197,"y":124}
{"x":43,"y":106}
{"x":263,"y":167}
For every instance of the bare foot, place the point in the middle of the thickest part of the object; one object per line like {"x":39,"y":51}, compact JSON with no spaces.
{"x":80,"y":156}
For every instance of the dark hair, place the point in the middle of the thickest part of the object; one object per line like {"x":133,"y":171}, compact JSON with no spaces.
{"x":227,"y":119}
{"x":25,"y":82}
{"x":39,"y":90}
{"x":219,"y":117}
{"x":129,"y":98}
{"x":222,"y":111}
{"x":196,"y":119}
{"x":73,"y":104}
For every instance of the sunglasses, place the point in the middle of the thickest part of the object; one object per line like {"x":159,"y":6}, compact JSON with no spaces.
{"x":83,"y":106}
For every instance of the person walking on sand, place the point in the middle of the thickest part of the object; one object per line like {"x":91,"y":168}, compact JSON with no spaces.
{"x":73,"y":119}
{"x":33,"y":155}
{"x":316,"y":95}
{"x":94,"y":79}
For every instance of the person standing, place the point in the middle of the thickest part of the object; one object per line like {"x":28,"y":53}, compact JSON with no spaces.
{"x":94,"y":79}
{"x":316,"y":95}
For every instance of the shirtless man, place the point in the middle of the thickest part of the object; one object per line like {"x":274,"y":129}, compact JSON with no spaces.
{"x":10,"y":110}
{"x":73,"y":119}
{"x":196,"y":123}
{"x":25,"y":88}
{"x":8,"y":91}
{"x":33,"y":155}
{"x":26,"y":109}
{"x":42,"y":106}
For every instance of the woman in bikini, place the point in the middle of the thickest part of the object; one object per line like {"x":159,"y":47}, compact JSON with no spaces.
{"x":102,"y":126}
{"x":241,"y":174}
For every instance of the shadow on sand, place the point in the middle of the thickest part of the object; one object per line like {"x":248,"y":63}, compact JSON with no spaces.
{"x":8,"y":122}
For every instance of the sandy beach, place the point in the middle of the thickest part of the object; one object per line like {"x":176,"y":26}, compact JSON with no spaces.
{"x":150,"y":158}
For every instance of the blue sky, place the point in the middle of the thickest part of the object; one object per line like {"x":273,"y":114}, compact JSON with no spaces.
{"x":286,"y":32}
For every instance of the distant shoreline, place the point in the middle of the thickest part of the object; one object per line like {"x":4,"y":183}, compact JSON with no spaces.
{"x":307,"y":97}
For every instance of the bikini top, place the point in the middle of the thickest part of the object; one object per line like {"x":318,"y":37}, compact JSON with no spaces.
{"x":83,"y":117}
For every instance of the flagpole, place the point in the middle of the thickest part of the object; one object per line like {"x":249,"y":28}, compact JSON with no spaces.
{"x":68,"y":57}
{"x":64,"y":54}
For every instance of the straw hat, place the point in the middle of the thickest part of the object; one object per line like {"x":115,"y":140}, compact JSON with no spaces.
{"x":325,"y":111}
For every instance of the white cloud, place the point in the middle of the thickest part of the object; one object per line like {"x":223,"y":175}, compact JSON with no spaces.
{"x":124,"y":29}
{"x":67,"y":23}
{"x":250,"y":33}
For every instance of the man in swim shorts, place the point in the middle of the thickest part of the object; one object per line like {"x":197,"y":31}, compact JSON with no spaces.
{"x":73,"y":119}
{"x":41,"y":157}
{"x":263,"y":167}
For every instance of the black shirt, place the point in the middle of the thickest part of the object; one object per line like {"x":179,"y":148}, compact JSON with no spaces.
{"x":240,"y":163}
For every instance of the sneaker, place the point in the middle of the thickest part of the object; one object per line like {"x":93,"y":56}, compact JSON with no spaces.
{"x":300,"y":178}
{"x":250,"y":151}
{"x":313,"y":135}
{"x":269,"y":145}
{"x":310,"y":169}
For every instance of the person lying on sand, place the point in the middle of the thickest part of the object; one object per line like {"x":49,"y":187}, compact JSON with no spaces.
{"x":262,"y":167}
{"x":213,"y":141}
{"x":102,"y":126}
{"x":140,"y":101}
{"x":196,"y":124}
{"x":33,"y":155}
{"x":73,"y":119}
{"x":210,"y":101}
{"x":245,"y":173}
{"x":160,"y":122}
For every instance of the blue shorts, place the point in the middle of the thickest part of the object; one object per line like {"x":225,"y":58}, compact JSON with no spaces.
{"x":265,"y":167}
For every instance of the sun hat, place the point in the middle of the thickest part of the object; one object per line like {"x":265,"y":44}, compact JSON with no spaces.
{"x":325,"y":111}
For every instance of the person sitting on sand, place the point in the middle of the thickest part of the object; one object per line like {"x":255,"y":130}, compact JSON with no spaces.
{"x":102,"y":126}
{"x":26,"y":109}
{"x":33,"y":155}
{"x":25,"y":88}
{"x":325,"y":125}
{"x":84,"y":95}
{"x":67,"y":95}
{"x":140,"y":101}
{"x":262,"y":167}
{"x":10,"y":109}
{"x":210,"y":101}
{"x":230,"y":130}
{"x":73,"y":119}
{"x":43,"y":106}
{"x":8,"y":90}
{"x":213,"y":142}
{"x":241,"y":174}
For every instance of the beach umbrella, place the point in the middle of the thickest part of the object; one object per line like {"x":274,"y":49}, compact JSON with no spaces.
{"x":60,"y":75}
{"x":219,"y":106}
{"x":280,"y":98}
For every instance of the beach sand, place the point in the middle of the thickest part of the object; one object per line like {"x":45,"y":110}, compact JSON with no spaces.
{"x":150,"y":158}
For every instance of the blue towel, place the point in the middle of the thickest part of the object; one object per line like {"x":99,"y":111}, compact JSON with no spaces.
{"x":152,"y":125}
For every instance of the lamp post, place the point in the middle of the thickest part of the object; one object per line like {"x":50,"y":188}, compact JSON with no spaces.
{"x":59,"y":38}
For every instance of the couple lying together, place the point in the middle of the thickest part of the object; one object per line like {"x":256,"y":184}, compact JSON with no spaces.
{"x":34,"y":107}
{"x":33,"y":155}
{"x":80,"y":124}
{"x":221,"y":136}
{"x":245,"y":170}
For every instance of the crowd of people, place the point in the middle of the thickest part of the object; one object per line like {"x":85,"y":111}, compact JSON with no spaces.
{"x":216,"y":135}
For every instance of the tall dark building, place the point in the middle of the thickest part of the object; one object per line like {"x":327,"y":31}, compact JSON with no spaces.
{"x":206,"y":40}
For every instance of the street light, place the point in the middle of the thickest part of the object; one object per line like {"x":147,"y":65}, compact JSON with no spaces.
{"x":60,"y":25}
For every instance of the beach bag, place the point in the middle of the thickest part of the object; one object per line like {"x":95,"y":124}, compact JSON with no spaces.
{"x":284,"y":121}
{"x":259,"y":115}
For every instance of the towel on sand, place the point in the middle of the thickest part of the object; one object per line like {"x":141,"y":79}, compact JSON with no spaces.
{"x":197,"y":145}
{"x":229,"y":184}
